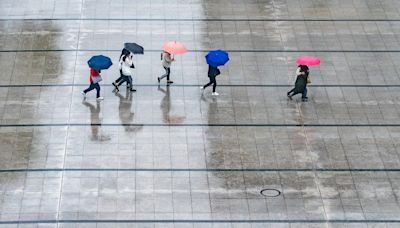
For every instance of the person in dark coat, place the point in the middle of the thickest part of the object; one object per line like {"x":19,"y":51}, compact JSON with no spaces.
{"x":300,"y":85}
{"x":213,"y":72}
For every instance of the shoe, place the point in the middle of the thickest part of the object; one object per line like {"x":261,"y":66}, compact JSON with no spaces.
{"x":170,"y":82}
{"x":158,"y":79}
{"x":304,"y":99}
{"x":133,"y":90}
{"x":84,"y":94}
{"x":215,"y":94}
{"x":115,"y":86}
{"x":100,"y":98}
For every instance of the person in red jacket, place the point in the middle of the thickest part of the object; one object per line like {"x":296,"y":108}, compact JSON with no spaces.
{"x":94,"y":79}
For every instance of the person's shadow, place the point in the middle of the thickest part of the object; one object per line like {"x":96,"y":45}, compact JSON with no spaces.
{"x":165,"y":107}
{"x":95,"y":121}
{"x":125,"y":113}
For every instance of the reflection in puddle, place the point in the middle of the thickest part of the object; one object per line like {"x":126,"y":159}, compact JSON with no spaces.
{"x":125,"y":111}
{"x":165,"y":107}
{"x":95,"y":121}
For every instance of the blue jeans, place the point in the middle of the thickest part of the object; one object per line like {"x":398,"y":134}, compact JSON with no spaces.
{"x":92,"y":87}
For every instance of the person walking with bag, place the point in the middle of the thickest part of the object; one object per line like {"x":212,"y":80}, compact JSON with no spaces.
{"x":94,"y":79}
{"x":300,"y":86}
{"x":213,"y":72}
{"x":125,"y":64}
{"x":167,"y":60}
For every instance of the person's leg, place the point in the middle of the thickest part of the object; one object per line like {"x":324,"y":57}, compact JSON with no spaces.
{"x":166,"y":73}
{"x":294,"y":94}
{"x":124,"y":79}
{"x":121,"y":76}
{"x":304,"y":95}
{"x":90,"y":88}
{"x":208,"y":84}
{"x":214,"y":85}
{"x":130,"y":81}
{"x":291,"y":91}
{"x":97,"y":87}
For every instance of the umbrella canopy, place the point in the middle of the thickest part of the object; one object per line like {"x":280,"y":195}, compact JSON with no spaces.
{"x":308,"y":60}
{"x":217,"y":58}
{"x":99,"y":62}
{"x":174,"y":48}
{"x":134,"y":48}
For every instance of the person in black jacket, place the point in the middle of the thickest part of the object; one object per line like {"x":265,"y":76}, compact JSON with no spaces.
{"x":212,"y":74}
{"x":300,"y":85}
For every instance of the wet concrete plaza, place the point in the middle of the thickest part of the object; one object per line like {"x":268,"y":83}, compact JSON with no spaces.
{"x":174,"y":157}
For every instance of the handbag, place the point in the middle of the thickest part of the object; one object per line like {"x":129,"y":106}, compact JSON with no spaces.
{"x":308,"y":80}
{"x":96,"y":79}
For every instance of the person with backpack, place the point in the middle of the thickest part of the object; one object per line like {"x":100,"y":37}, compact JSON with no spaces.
{"x":302,"y":79}
{"x":167,"y":60}
{"x":213,"y":72}
{"x":125,"y":66}
{"x":94,"y":79}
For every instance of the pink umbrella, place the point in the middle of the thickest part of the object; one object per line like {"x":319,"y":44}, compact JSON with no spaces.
{"x":174,"y":48}
{"x":308,"y":60}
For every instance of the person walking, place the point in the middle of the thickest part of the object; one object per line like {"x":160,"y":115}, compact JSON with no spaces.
{"x":213,"y":72}
{"x":125,"y":65}
{"x":94,"y":79}
{"x":167,"y":60}
{"x":124,"y":52}
{"x":300,"y":86}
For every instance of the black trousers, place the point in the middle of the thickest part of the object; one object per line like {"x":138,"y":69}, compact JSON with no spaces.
{"x":213,"y":82}
{"x":92,"y":87}
{"x":303,"y":94}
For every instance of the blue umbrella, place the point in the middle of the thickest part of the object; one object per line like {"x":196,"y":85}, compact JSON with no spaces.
{"x":217,"y":58}
{"x":99,"y":62}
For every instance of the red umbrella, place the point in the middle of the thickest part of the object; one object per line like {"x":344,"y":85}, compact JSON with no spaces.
{"x":308,"y":60}
{"x":174,"y":48}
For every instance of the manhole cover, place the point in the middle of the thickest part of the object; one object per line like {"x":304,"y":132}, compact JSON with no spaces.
{"x":270,"y":192}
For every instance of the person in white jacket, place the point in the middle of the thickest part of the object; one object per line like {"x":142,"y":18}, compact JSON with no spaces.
{"x":167,"y":59}
{"x":126,"y":66}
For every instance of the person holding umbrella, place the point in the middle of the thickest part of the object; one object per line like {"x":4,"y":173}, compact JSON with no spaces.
{"x":125,"y":65}
{"x":121,"y":76}
{"x":169,"y":49}
{"x":214,"y":59}
{"x":96,"y":64}
{"x":302,"y":78}
{"x":300,"y":85}
{"x":167,"y":60}
{"x":213,"y":72}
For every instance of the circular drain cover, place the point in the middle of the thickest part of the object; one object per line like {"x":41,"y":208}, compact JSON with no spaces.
{"x":270,"y":192}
